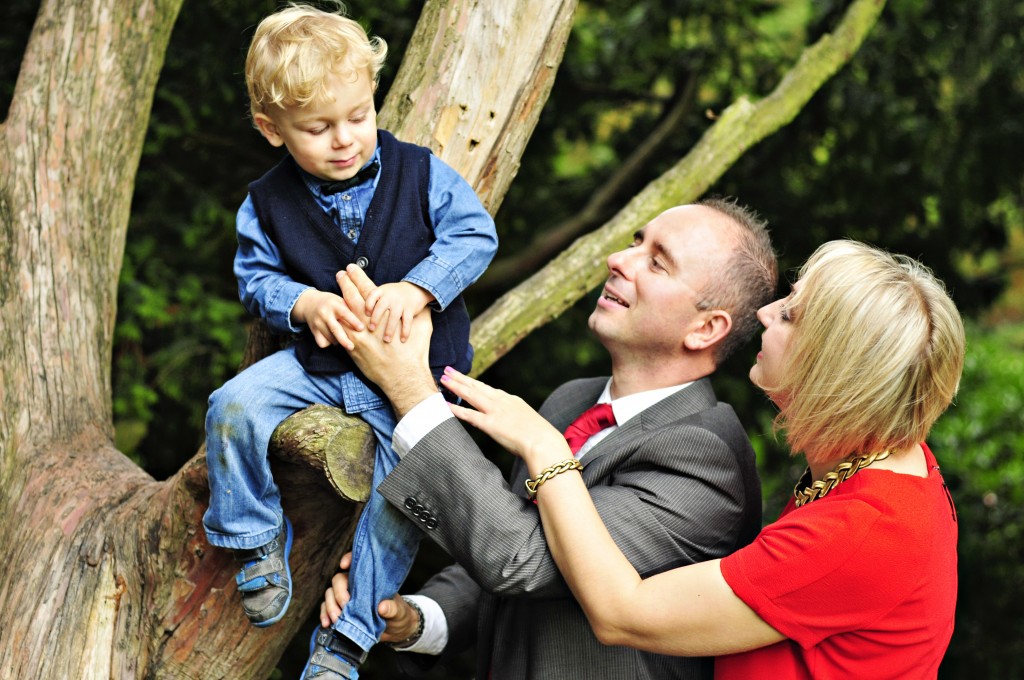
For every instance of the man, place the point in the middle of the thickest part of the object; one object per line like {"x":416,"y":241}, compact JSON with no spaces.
{"x":673,"y":477}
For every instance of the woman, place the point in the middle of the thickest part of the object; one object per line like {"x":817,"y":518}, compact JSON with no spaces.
{"x":857,"y":578}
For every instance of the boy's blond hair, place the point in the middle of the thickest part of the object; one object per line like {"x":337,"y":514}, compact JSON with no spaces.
{"x":295,"y":51}
{"x":875,"y":356}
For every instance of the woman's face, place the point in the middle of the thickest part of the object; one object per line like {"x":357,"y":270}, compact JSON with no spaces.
{"x":777,"y":320}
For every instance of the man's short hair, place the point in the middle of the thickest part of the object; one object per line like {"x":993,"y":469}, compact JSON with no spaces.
{"x":295,"y":51}
{"x":749,"y":277}
{"x":875,"y":356}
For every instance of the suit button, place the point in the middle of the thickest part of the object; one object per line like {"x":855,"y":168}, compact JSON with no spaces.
{"x":431,"y":523}
{"x":410,"y":503}
{"x":362,"y":262}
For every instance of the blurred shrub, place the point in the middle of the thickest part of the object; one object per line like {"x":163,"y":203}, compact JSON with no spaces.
{"x":980,"y":445}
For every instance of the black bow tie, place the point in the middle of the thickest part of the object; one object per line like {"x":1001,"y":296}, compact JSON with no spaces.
{"x":367,"y":173}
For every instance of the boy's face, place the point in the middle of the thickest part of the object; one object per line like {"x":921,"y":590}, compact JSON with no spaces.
{"x":331,"y":140}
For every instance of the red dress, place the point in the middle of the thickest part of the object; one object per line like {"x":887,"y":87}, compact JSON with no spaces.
{"x":863,"y":582}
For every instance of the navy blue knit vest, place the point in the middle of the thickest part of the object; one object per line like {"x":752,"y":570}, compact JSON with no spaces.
{"x":396,"y":236}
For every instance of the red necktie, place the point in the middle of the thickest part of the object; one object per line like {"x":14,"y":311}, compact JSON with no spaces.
{"x":589,"y":423}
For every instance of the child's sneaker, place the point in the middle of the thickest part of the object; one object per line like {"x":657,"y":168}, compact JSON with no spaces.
{"x":329,"y":657}
{"x":265,"y":580}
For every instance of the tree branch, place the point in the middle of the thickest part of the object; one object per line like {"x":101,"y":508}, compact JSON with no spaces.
{"x":548,"y":241}
{"x":475,"y":88}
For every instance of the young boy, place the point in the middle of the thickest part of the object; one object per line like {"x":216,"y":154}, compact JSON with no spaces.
{"x":346,"y":193}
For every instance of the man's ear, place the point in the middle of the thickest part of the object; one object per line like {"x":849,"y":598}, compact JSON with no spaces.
{"x":268,"y":128}
{"x":716,"y":324}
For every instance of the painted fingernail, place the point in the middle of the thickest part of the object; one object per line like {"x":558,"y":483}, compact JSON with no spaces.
{"x":449,"y":370}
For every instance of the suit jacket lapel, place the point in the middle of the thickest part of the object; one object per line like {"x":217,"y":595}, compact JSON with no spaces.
{"x":584,"y":394}
{"x":692,"y":399}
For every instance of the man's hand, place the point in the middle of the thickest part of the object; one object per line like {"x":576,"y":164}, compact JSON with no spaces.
{"x":393,"y":304}
{"x":401,"y":369}
{"x":324,"y":313}
{"x":402,"y":620}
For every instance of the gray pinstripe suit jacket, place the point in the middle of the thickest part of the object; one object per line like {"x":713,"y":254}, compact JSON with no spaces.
{"x":676,"y":484}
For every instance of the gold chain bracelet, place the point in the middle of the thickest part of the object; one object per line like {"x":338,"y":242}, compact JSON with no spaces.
{"x":547,"y":473}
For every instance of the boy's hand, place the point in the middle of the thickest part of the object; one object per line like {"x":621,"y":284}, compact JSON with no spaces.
{"x":324,"y":314}
{"x":394,"y":304}
{"x":400,"y":369}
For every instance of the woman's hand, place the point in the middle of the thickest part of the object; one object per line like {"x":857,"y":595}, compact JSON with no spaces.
{"x":507,"y":419}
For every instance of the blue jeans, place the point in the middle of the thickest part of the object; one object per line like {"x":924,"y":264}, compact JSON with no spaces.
{"x":245,"y":503}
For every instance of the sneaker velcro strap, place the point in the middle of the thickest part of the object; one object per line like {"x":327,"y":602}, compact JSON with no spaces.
{"x":260,"y":552}
{"x":331,"y":641}
{"x":267,"y":567}
{"x":331,"y":662}
{"x":325,"y":638}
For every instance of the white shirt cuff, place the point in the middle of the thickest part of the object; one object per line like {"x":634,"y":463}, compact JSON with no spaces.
{"x":418,"y":422}
{"x":435,"y":627}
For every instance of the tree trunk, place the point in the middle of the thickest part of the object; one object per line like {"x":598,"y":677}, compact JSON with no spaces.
{"x":74,"y":581}
{"x":107,"y":573}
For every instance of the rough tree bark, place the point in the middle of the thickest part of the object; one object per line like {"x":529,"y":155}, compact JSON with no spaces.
{"x":106,"y":572}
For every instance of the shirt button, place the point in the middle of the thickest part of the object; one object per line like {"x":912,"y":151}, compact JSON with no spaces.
{"x":352,"y":234}
{"x":346,"y":197}
{"x":362,"y":262}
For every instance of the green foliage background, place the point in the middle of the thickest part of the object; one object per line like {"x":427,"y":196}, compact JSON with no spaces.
{"x":917,"y":146}
{"x":980,"y":440}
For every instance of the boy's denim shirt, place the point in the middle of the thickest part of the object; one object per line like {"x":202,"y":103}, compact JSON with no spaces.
{"x":466,"y":241}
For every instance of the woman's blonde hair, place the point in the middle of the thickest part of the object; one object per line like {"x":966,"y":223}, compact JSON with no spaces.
{"x":875,"y":355}
{"x":295,"y":51}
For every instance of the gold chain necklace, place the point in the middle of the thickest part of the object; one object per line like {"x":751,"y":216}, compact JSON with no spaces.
{"x":805,"y":492}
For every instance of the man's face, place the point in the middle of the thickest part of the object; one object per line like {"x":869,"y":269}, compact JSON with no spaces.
{"x":648,"y":304}
{"x":332,"y":139}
